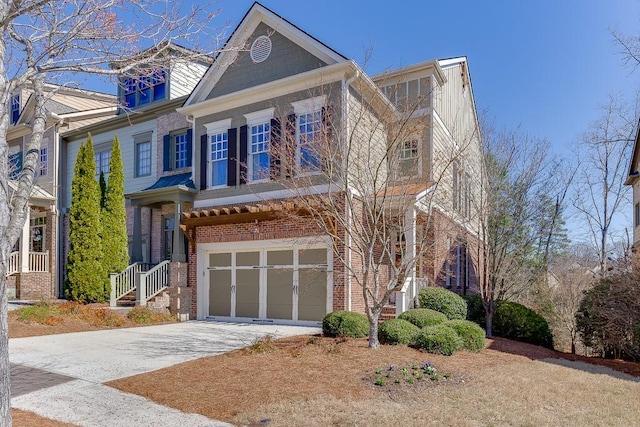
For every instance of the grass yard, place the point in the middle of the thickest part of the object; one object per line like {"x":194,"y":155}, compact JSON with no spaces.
{"x":315,"y":381}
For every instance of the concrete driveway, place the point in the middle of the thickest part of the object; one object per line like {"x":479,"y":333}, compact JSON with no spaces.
{"x":61,"y":376}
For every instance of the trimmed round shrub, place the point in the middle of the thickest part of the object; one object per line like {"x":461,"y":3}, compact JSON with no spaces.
{"x":345,"y":324}
{"x":438,"y":339}
{"x":444,"y":301}
{"x":472,"y":335}
{"x":397,"y":331}
{"x":422,"y":317}
{"x":520,"y":323}
{"x":475,"y":309}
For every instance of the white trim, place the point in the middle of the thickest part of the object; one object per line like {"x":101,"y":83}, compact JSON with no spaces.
{"x":258,"y":117}
{"x":216,"y":127}
{"x":310,"y":105}
{"x":267,"y":195}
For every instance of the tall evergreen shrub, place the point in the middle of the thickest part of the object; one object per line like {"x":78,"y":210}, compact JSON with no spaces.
{"x":86,"y":278}
{"x":114,"y":217}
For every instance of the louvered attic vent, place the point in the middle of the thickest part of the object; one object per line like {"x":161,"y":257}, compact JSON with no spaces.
{"x":260,"y":49}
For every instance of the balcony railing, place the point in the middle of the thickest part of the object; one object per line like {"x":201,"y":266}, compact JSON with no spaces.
{"x":38,"y":263}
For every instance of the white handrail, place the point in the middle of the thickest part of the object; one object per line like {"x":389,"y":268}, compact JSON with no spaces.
{"x":152,"y":282}
{"x":39,"y":262}
{"x":14,"y":263}
{"x":124,"y":282}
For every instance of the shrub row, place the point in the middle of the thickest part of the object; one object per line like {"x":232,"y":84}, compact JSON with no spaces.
{"x":512,"y":320}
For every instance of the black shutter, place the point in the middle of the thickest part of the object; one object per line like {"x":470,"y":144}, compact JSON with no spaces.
{"x":203,"y":161}
{"x":166,"y":153}
{"x":275,"y":150}
{"x":243,"y":154}
{"x":232,"y":158}
{"x":189,"y":147}
{"x":290,"y":145}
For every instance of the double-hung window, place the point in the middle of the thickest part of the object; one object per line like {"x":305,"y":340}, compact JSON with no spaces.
{"x":103,"y":159}
{"x":181,"y":143}
{"x":408,"y":166}
{"x":309,"y":130}
{"x":43,"y":161}
{"x":143,"y":154}
{"x":218,"y":153}
{"x":15,"y":165}
{"x":259,"y":138}
{"x":177,"y":150}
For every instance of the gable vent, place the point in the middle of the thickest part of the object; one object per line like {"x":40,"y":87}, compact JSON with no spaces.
{"x":260,"y":49}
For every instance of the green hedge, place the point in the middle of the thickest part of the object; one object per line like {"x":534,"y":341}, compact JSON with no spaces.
{"x":438,"y":339}
{"x":520,"y":323}
{"x":444,"y":301}
{"x":345,"y":323}
{"x":397,"y":331}
{"x":472,"y":335}
{"x":475,"y":309}
{"x":422,"y":317}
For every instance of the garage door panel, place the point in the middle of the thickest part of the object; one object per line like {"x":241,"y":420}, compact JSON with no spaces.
{"x":279,"y":293}
{"x":312,"y":294}
{"x":220,"y":292}
{"x":247,"y":293}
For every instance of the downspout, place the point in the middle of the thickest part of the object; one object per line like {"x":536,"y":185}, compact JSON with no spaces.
{"x":345,"y":132}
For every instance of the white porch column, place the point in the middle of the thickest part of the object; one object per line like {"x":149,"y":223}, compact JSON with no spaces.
{"x":25,"y":242}
{"x":410,"y":249}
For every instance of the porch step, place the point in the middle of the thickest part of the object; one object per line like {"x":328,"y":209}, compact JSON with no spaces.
{"x":128,"y":300}
{"x":388,"y":312}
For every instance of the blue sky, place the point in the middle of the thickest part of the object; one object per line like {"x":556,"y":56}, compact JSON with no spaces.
{"x":545,"y":66}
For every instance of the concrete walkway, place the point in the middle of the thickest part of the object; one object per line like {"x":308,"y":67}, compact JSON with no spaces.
{"x":61,"y":376}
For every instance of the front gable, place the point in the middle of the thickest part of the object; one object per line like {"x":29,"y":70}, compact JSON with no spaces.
{"x":291,"y":52}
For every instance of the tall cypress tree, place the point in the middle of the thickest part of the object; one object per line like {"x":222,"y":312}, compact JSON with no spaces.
{"x":114,"y":216}
{"x":86,"y":277}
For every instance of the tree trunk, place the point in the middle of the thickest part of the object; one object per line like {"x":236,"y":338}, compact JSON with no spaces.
{"x":489,"y":319}
{"x":373,"y":330}
{"x":5,"y":395}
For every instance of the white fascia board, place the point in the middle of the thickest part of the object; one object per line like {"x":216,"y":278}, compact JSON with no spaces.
{"x":261,"y":197}
{"x":404,"y":73}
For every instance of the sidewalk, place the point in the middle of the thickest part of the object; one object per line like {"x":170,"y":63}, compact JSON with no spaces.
{"x":61,"y":376}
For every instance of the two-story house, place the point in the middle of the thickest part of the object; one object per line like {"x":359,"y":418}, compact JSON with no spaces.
{"x":633,"y":179}
{"x":156,"y":148}
{"x":34,"y":263}
{"x":250,"y":259}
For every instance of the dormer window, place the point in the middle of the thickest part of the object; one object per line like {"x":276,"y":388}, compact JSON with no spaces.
{"x":145,"y":89}
{"x":15,"y":109}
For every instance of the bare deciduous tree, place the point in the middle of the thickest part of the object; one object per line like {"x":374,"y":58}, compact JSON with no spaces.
{"x":521,"y":183}
{"x":53,"y":42}
{"x":600,"y":193}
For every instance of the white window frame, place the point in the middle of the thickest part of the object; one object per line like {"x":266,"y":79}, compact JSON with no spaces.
{"x":417,"y":157}
{"x":185,"y":144}
{"x":44,"y":161}
{"x":97,"y":155}
{"x":257,"y":118}
{"x":139,"y":166}
{"x":213,"y":129}
{"x":308,"y":106}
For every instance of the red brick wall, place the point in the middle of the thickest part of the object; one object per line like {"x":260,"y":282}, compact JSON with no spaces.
{"x":34,"y":286}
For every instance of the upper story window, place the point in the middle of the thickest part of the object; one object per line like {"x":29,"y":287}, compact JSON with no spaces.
{"x":409,"y":162}
{"x":145,"y":89}
{"x":15,"y":165}
{"x":309,"y":132}
{"x":411,"y":95}
{"x":103,"y":160}
{"x":177,"y":150}
{"x":259,"y":129}
{"x":143,"y":158}
{"x":44,"y":166}
{"x":215,"y":161}
{"x":15,"y":109}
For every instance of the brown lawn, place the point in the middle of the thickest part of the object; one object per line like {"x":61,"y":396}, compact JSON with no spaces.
{"x":324,"y":382}
{"x":29,"y":419}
